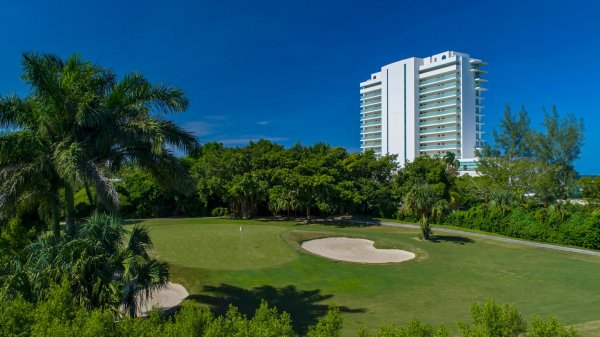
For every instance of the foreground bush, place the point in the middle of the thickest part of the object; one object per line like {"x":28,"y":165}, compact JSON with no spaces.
{"x":60,"y":315}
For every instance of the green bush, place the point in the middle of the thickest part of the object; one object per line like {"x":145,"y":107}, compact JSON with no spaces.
{"x":220,"y":211}
{"x":559,"y":224}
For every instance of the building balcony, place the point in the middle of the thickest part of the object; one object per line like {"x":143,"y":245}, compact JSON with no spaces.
{"x":453,"y":146}
{"x":445,"y":113}
{"x":452,"y":85}
{"x":439,"y":79}
{"x":371,"y":94}
{"x":370,"y":145}
{"x":373,"y":136}
{"x":366,"y":131}
{"x":439,"y":139}
{"x":377,"y":122}
{"x":434,"y":131}
{"x":371,"y":117}
{"x":444,"y":104}
{"x":369,"y":103}
{"x":437,"y":97}
{"x":478,"y":71}
{"x":443,"y":121}
{"x":375,"y":108}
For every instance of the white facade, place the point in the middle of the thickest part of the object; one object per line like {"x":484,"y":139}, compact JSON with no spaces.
{"x":424,"y":106}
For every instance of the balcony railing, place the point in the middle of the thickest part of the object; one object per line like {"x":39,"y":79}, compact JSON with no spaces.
{"x":439,"y":139}
{"x":371,"y":130}
{"x":433,"y":97}
{"x":441,"y":78}
{"x":439,"y":104}
{"x":441,"y":121}
{"x":370,"y":123}
{"x":371,"y":117}
{"x":371,"y":94}
{"x":367,"y":137}
{"x":439,"y":113}
{"x":370,"y":102}
{"x":440,"y":147}
{"x":439,"y":130}
{"x":371,"y":143}
{"x":376,"y":108}
{"x":439,"y":87}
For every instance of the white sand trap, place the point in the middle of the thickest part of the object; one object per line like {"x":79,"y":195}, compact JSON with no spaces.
{"x":355,"y":250}
{"x":167,"y":298}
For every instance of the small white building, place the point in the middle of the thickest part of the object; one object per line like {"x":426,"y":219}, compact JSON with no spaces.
{"x":421,"y":106}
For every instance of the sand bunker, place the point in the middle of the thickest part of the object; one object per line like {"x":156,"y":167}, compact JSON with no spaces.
{"x":167,"y":298}
{"x":355,"y":250}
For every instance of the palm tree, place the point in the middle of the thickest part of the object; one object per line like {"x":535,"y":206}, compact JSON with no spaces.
{"x":90,"y":124}
{"x":105,"y":266}
{"x":420,"y":201}
{"x":27,"y":171}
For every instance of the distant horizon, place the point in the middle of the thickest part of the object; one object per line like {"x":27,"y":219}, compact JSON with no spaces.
{"x":289,"y":72}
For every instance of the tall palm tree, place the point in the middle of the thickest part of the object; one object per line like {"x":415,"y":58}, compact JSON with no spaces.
{"x":420,"y":202}
{"x":90,"y":124}
{"x":27,"y":171}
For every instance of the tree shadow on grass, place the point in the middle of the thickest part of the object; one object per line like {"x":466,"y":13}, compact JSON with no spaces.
{"x":304,"y":306}
{"x":460,"y":240}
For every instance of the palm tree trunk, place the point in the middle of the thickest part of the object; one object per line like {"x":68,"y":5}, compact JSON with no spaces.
{"x":89,"y":195}
{"x":70,"y":209}
{"x":55,"y":218}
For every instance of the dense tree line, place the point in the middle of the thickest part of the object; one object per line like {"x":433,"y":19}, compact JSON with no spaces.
{"x":526,"y":181}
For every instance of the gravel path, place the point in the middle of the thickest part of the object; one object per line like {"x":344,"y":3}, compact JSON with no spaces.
{"x":492,"y":237}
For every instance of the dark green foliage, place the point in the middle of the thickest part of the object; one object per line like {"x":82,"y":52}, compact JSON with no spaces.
{"x":264,"y":178}
{"x":590,"y":187}
{"x":104,"y":267}
{"x":77,"y":127}
{"x":59,"y":314}
{"x":560,"y":224}
{"x":414,"y":329}
{"x":329,"y":326}
{"x":219,"y":211}
{"x":494,"y":320}
{"x":143,"y":196}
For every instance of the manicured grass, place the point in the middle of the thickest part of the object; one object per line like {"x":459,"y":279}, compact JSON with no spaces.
{"x":437,"y":287}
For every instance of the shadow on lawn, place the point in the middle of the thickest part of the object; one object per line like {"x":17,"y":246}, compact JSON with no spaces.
{"x":304,"y":306}
{"x":461,"y":240}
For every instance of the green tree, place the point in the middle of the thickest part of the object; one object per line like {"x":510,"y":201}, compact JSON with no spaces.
{"x":560,"y":145}
{"x":105,"y":267}
{"x":328,"y":326}
{"x":88,"y":124}
{"x":494,"y":320}
{"x":420,"y":201}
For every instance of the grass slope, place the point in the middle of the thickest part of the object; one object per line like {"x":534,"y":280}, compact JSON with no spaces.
{"x":437,"y":287}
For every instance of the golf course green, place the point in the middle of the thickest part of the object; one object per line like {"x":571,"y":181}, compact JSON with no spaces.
{"x":220,"y":264}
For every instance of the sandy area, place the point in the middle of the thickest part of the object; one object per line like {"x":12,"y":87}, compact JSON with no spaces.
{"x":167,"y":298}
{"x":355,"y":250}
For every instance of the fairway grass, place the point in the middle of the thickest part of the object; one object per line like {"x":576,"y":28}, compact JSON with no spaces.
{"x":438,"y":286}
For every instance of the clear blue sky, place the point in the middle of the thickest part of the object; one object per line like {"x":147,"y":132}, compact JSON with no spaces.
{"x":289,"y":70}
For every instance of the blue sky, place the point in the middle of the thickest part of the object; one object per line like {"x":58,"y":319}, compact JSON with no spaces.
{"x":289,"y":70}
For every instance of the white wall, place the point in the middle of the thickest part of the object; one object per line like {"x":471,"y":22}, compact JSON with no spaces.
{"x":468,"y":109}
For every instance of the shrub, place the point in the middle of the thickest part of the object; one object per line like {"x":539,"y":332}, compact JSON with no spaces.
{"x":220,"y":211}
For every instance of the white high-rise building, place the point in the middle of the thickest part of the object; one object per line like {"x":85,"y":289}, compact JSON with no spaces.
{"x":424,"y":106}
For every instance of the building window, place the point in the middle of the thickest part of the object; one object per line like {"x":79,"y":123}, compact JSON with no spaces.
{"x":443,"y":57}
